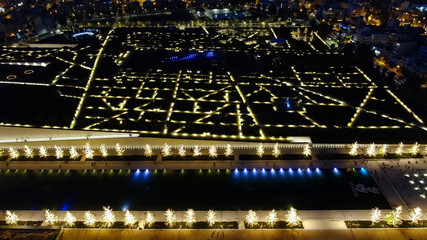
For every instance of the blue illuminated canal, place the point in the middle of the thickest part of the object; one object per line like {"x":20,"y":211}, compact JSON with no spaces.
{"x":234,"y":189}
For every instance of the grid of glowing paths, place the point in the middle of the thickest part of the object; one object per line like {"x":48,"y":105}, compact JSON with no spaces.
{"x":189,"y":103}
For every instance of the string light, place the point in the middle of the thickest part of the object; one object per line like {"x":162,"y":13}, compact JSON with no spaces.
{"x":43,"y":151}
{"x":50,"y":218}
{"x":108,"y":217}
{"x":103,"y":150}
{"x":88,"y":151}
{"x":73,"y":153}
{"x":213,"y":151}
{"x":353,"y":149}
{"x":272,"y":218}
{"x":260,"y":150}
{"x":89,"y":219}
{"x":276,"y":150}
{"x":59,"y":153}
{"x":13,"y":153}
{"x":148,"y":152}
{"x":292,"y":217}
{"x":166,"y":150}
{"x":251,"y":218}
{"x":196,"y":151}
{"x":399,"y":150}
{"x":11,"y":218}
{"x":307,"y":150}
{"x":228,"y":151}
{"x":28,"y":152}
{"x":69,"y":219}
{"x":371,"y":150}
{"x":119,"y":149}
{"x":170,"y":218}
{"x":383,"y":150}
{"x":181,"y":151}
{"x":415,"y":149}
{"x":375,"y":215}
{"x":130,"y":219}
{"x":211,"y":217}
{"x":150,"y":219}
{"x":416,"y":215}
{"x":394,"y":218}
{"x":190,"y":217}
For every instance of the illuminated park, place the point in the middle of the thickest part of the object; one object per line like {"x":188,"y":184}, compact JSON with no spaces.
{"x":219,"y":127}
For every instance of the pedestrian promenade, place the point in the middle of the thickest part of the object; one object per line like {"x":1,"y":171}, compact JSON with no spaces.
{"x":312,"y":220}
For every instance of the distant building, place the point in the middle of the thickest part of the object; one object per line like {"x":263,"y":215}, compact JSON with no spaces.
{"x":401,"y":5}
{"x":38,"y":25}
{"x":420,"y":68}
{"x":404,"y":46}
{"x":368,"y":35}
{"x":223,"y":13}
{"x":358,"y":11}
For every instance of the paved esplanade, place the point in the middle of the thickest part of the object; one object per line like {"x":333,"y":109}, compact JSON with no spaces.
{"x":386,"y":179}
{"x":322,"y":219}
